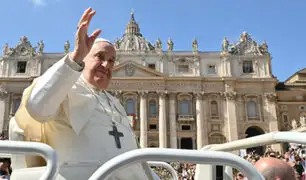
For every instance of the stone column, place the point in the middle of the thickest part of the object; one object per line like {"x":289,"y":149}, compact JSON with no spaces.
{"x":162,"y":120}
{"x":200,"y":120}
{"x":172,"y":118}
{"x":117,"y":94}
{"x":231,"y":121}
{"x":4,"y":108}
{"x":143,"y":120}
{"x":270,"y":116}
{"x":226,"y":66}
{"x":206,"y":114}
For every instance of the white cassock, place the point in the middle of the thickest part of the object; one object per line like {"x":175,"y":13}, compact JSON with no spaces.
{"x":78,"y":123}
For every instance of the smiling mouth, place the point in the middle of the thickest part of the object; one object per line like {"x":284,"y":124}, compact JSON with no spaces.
{"x":101,"y":73}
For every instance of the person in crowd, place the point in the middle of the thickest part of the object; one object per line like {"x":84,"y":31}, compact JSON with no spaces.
{"x":275,"y":169}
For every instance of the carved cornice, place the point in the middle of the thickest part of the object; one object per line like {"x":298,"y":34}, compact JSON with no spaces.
{"x":143,"y":93}
{"x":162,"y":93}
{"x":23,"y":48}
{"x":229,"y":96}
{"x":271,"y":97}
{"x":3,"y":93}
{"x":247,"y":46}
{"x":116,"y":93}
{"x":198,"y":95}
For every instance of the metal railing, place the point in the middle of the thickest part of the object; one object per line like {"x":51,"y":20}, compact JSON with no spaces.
{"x":191,"y":156}
{"x":166,"y":166}
{"x":260,"y":140}
{"x":33,"y":148}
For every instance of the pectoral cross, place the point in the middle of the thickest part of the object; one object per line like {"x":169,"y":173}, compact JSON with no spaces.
{"x":116,"y":135}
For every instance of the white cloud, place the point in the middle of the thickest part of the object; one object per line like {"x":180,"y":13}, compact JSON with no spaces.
{"x":38,"y":2}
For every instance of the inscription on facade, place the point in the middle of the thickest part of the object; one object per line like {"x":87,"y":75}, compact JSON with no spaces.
{"x":181,"y":86}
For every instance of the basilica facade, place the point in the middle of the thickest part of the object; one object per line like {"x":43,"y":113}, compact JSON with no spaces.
{"x":175,"y":99}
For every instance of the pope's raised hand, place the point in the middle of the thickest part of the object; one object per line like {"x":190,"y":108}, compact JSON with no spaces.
{"x":84,"y":42}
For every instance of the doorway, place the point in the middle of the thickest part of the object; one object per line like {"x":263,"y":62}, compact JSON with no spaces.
{"x":186,"y":143}
{"x":251,"y":132}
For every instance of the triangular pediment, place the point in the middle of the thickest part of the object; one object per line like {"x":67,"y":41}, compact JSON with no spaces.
{"x":298,"y":77}
{"x":133,"y":69}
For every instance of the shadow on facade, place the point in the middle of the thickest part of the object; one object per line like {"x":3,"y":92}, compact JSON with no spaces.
{"x":251,"y":132}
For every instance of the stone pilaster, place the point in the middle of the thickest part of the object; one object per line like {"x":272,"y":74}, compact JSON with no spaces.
{"x":162,"y":120}
{"x":200,"y":120}
{"x":206,"y":113}
{"x":231,"y":121}
{"x":143,"y":120}
{"x":4,"y":108}
{"x":172,"y":118}
{"x":270,"y":115}
{"x":226,"y":64}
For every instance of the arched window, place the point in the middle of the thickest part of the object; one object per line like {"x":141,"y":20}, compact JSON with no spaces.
{"x":130,"y":106}
{"x":252,"y":109}
{"x":152,"y":108}
{"x":185,"y":107}
{"x":214,"y":109}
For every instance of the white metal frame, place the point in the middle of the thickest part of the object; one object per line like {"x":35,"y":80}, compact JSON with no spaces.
{"x":210,"y":155}
{"x":192,"y":156}
{"x":33,"y":148}
{"x":260,"y":140}
{"x":166,"y":166}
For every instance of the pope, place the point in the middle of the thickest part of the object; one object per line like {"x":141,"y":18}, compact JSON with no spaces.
{"x":69,"y":109}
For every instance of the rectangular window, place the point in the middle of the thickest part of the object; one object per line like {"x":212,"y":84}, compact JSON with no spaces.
{"x":183,"y":68}
{"x":151,"y":66}
{"x":152,"y":108}
{"x":21,"y":66}
{"x":153,"y":126}
{"x":186,"y":128}
{"x":184,"y":107}
{"x":211,"y":69}
{"x":130,"y":106}
{"x":248,"y":67}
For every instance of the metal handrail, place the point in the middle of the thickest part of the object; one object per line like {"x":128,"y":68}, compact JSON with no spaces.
{"x":191,"y":156}
{"x":260,"y":140}
{"x":166,"y":166}
{"x":34,"y":148}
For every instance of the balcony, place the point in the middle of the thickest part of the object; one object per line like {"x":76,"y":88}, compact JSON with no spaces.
{"x":185,"y":117}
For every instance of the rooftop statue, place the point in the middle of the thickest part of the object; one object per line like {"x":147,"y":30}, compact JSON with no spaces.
{"x":170,"y":45}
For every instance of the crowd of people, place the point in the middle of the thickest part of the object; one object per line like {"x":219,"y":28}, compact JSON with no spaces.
{"x":5,"y":163}
{"x":295,"y":157}
{"x":184,"y":171}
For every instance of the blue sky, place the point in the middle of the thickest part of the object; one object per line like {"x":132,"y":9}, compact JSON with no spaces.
{"x":281,"y":23}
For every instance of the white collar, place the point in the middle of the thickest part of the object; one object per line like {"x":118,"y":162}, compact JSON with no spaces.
{"x":85,"y":82}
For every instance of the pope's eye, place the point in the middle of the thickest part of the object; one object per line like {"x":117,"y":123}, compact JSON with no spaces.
{"x":100,"y":56}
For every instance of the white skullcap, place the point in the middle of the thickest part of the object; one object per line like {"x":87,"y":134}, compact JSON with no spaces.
{"x":102,"y":40}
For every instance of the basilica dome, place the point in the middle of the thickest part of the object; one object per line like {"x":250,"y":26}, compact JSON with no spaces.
{"x":132,"y":40}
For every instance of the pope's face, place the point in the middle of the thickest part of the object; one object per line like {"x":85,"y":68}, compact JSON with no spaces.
{"x":99,"y":64}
